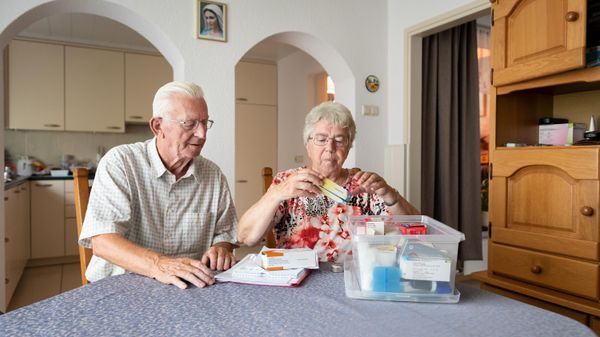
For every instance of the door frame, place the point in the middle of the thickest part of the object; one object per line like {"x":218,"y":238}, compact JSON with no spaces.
{"x":413,"y":54}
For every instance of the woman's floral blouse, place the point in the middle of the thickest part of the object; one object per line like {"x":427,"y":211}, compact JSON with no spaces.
{"x":319,"y":222}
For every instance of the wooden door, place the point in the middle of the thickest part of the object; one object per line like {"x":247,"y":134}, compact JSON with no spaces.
{"x":36,"y":86}
{"x":547,"y":199}
{"x":255,"y":148}
{"x":535,"y":38}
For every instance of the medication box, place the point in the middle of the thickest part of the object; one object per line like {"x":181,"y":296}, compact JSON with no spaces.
{"x":560,"y":134}
{"x":418,"y":267}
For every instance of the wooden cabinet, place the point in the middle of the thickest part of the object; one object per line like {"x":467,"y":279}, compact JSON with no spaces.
{"x":144,"y":74}
{"x":535,"y":38}
{"x":16,"y":238}
{"x":94,"y":90}
{"x":53,"y":228}
{"x":35,"y":86}
{"x":544,"y":245}
{"x":47,"y":218}
{"x":256,"y":83}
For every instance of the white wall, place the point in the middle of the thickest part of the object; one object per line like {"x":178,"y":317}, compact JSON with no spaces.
{"x":296,"y":96}
{"x":402,"y":15}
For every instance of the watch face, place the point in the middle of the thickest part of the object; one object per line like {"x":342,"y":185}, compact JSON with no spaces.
{"x":372,"y":83}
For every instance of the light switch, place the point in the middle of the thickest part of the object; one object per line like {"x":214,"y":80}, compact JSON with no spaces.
{"x":370,"y":110}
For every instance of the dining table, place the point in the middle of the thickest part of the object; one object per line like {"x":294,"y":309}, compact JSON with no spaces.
{"x":134,"y":305}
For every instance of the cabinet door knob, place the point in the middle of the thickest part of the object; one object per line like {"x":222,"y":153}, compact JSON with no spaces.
{"x":536,"y":269}
{"x":6,"y":240}
{"x":572,"y":16}
{"x":6,"y":281}
{"x":587,"y":211}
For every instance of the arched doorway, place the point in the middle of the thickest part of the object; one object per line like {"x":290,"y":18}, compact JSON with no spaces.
{"x":123,"y":15}
{"x":295,"y":59}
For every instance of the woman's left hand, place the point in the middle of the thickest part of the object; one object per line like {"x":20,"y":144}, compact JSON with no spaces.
{"x":370,"y":182}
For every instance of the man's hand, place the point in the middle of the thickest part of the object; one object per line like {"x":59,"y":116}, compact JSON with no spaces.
{"x":174,"y":271}
{"x":219,"y":257}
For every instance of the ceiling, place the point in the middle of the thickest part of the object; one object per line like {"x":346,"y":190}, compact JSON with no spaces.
{"x":99,"y":30}
{"x":88,"y":29}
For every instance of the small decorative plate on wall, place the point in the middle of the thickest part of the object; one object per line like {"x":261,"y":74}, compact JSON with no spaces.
{"x":372,"y":83}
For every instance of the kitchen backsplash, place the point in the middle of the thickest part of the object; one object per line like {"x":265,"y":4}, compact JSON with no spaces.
{"x":49,"y":146}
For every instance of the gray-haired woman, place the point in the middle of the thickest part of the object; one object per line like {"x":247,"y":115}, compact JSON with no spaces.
{"x":295,"y":207}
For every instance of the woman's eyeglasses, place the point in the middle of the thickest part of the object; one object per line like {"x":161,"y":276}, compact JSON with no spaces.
{"x":192,"y":124}
{"x":322,"y":140}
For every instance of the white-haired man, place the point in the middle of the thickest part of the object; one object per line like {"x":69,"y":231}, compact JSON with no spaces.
{"x":158,"y":208}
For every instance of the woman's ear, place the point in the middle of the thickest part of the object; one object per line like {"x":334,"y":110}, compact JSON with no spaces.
{"x":156,"y":126}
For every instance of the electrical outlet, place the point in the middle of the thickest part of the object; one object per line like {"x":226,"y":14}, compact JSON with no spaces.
{"x":370,"y":110}
{"x":299,"y":159}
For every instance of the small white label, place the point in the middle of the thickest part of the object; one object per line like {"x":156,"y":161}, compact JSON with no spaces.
{"x":426,"y":270}
{"x":375,"y":227}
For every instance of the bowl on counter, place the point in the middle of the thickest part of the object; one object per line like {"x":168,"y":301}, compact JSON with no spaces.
{"x":59,"y":173}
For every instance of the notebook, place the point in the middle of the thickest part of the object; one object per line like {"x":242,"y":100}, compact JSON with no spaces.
{"x":249,"y":271}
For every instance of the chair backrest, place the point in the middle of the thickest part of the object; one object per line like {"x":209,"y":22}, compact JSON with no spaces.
{"x":267,"y":174}
{"x":81,"y":187}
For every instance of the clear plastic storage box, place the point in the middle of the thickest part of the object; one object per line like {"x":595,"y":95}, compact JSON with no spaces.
{"x":402,"y":258}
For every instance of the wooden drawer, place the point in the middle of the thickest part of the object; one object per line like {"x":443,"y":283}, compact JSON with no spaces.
{"x":564,"y":274}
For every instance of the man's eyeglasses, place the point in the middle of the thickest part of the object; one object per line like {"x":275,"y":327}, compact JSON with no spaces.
{"x":322,"y":140}
{"x":192,"y":124}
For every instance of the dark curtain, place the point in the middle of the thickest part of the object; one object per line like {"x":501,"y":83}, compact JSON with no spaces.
{"x":450,"y":177}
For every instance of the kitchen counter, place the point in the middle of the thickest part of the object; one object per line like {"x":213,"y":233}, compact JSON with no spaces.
{"x":20,"y":179}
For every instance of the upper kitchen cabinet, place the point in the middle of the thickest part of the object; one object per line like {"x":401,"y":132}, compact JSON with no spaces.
{"x":535,"y":38}
{"x":36,"y":86}
{"x":94,"y":90}
{"x":256,"y":83}
{"x":144,"y":74}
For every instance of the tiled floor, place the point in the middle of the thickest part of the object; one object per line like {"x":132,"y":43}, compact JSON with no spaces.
{"x":39,"y":283}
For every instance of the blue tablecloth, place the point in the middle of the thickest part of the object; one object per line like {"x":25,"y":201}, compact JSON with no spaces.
{"x":131,"y":305}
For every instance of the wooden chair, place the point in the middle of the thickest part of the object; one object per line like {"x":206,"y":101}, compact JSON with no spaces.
{"x":81,"y":188}
{"x":267,"y":174}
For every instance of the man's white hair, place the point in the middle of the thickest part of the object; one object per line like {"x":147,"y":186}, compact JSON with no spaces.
{"x":161,"y":105}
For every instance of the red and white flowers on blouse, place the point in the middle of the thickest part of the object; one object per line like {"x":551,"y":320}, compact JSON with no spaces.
{"x":320,"y":223}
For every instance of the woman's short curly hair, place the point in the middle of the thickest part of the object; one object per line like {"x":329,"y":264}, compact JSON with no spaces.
{"x":335,"y":113}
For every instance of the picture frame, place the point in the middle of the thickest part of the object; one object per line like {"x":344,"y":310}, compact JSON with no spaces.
{"x":211,"y":20}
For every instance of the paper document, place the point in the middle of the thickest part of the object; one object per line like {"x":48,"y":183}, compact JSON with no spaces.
{"x":283,"y":259}
{"x":249,"y":271}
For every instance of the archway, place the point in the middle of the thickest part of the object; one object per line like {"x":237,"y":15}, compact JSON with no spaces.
{"x":293,"y":60}
{"x":113,"y":11}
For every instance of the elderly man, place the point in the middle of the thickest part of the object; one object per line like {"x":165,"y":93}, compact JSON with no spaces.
{"x":157,"y":207}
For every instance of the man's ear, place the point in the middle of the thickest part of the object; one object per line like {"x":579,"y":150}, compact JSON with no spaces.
{"x":156,"y":127}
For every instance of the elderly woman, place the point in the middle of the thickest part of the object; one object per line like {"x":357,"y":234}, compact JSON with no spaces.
{"x":299,"y":213}
{"x":212,"y":21}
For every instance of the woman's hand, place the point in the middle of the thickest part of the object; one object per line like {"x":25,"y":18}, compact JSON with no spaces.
{"x":370,"y":182}
{"x":301,"y":183}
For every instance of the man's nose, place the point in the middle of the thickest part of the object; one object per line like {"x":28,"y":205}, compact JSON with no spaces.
{"x":200,"y":131}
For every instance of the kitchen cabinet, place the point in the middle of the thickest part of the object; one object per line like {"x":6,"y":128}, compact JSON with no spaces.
{"x":47,"y":219}
{"x":544,"y":244}
{"x":53,"y":228}
{"x":94,"y":90}
{"x":256,"y":83}
{"x":529,"y":45}
{"x":16,"y":238}
{"x":35,"y":86}
{"x":256,"y":129}
{"x":144,"y":74}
